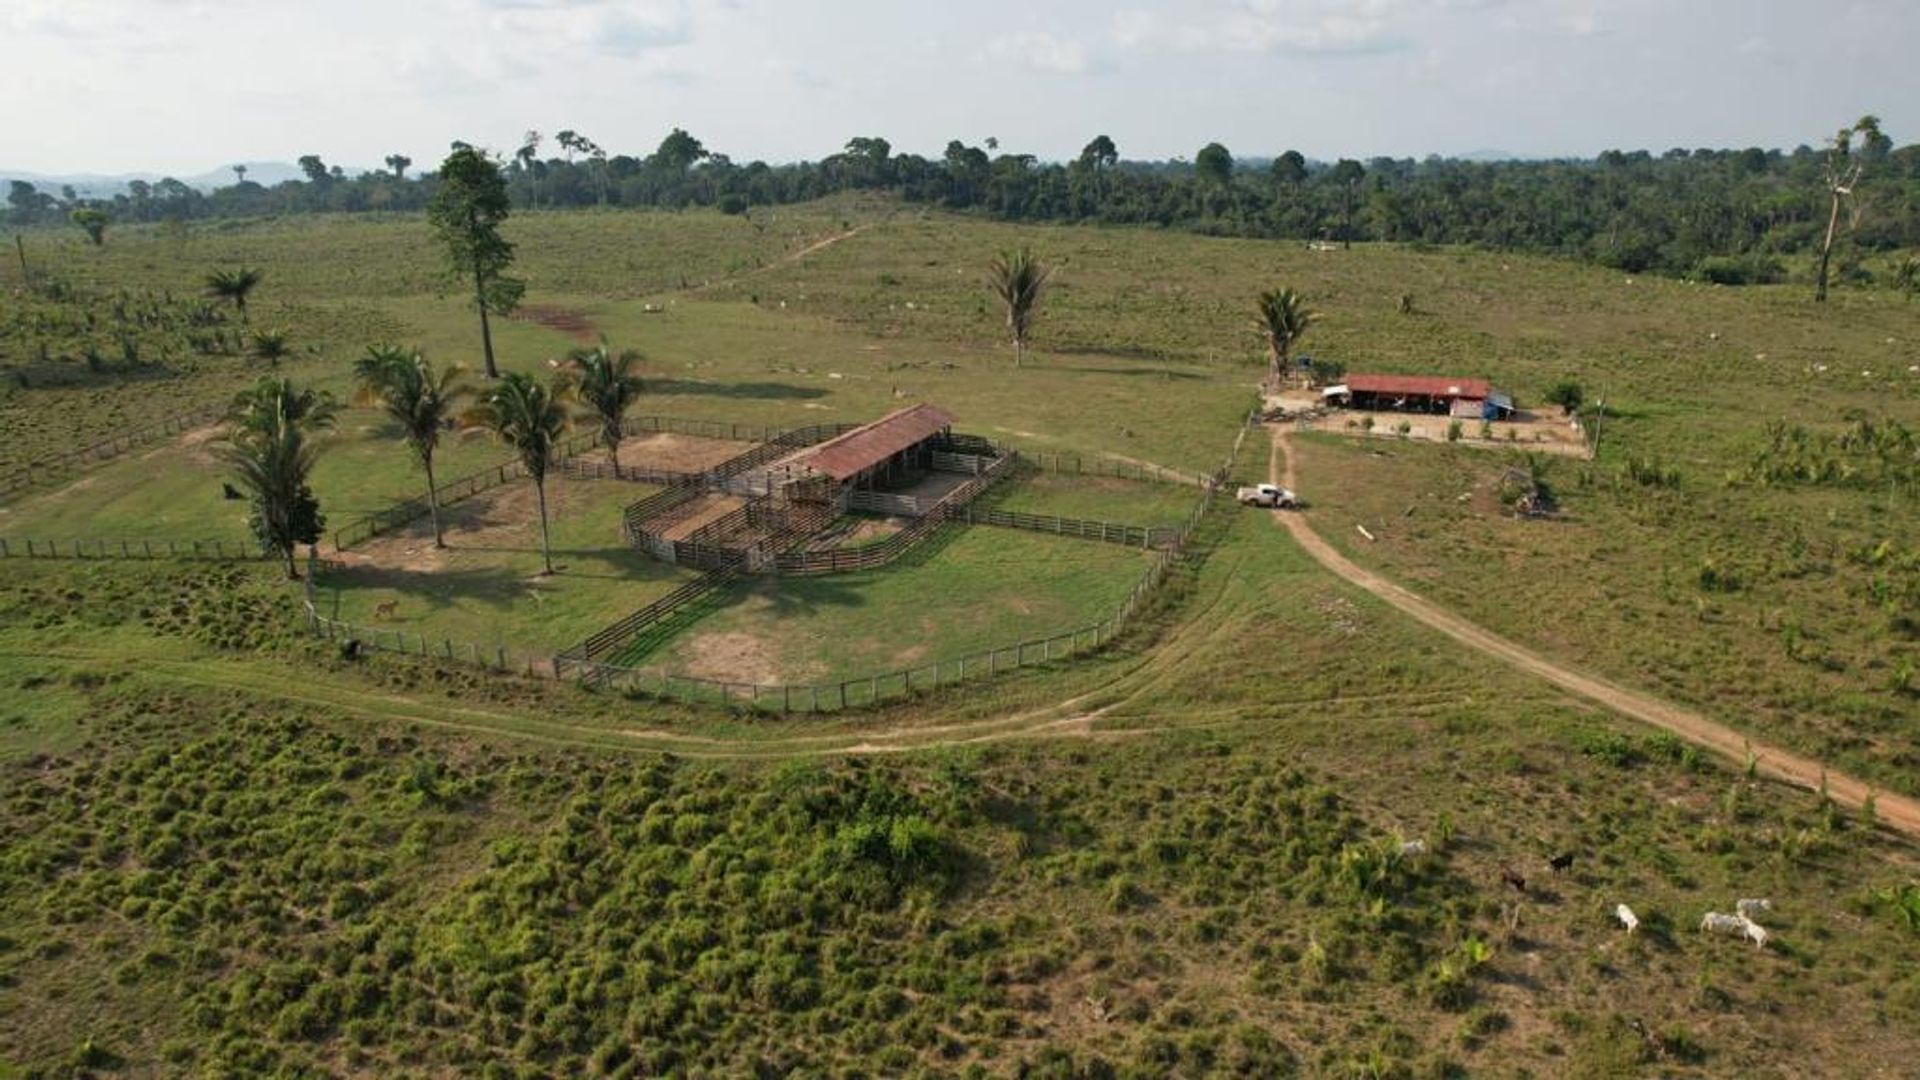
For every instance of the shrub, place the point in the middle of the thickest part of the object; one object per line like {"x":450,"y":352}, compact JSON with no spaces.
{"x":1568,"y":395}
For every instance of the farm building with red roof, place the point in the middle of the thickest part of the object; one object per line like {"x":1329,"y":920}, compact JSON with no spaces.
{"x":1436,"y":394}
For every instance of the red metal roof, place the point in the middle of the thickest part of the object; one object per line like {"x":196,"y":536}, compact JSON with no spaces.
{"x":845,"y":456}
{"x":1439,"y":386}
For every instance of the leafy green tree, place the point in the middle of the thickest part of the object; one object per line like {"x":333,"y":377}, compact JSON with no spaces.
{"x":93,"y":221}
{"x":269,"y":346}
{"x":530,"y":418}
{"x":1567,"y":394}
{"x":424,"y":403}
{"x":1346,"y":174}
{"x":235,"y":285}
{"x":271,"y":451}
{"x":315,"y":170}
{"x":465,"y":214}
{"x":1281,"y":318}
{"x":1214,"y":164}
{"x":609,"y":385}
{"x":1289,"y":168}
{"x":398,"y":163}
{"x":677,"y":152}
{"x":1019,"y":280}
{"x":1099,"y":154}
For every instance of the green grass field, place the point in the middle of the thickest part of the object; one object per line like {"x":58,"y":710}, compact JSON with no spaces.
{"x":234,"y":852}
{"x":978,"y":588}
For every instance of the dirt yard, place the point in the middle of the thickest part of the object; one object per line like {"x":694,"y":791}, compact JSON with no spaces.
{"x":712,"y":508}
{"x":572,"y":323}
{"x":673,"y":453}
{"x":1531,"y":431}
{"x":499,"y":519}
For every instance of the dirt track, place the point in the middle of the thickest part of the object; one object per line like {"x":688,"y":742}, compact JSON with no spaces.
{"x":1895,"y":811}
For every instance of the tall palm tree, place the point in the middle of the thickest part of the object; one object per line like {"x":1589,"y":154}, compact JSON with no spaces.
{"x":609,"y":386}
{"x":235,"y":285}
{"x":270,"y":346}
{"x":530,"y":418}
{"x":1019,"y":280}
{"x":1282,"y":318}
{"x":403,"y":383}
{"x":271,"y":451}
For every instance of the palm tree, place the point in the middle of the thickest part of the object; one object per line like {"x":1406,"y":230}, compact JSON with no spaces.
{"x":404,"y":383}
{"x":234,"y":285}
{"x":272,"y":457}
{"x":1282,"y":318}
{"x":609,"y":386}
{"x":530,"y":418}
{"x":1019,"y":280}
{"x":269,"y":345}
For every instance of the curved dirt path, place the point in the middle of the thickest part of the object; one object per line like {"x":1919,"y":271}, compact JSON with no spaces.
{"x":789,"y":258}
{"x":1895,"y":811}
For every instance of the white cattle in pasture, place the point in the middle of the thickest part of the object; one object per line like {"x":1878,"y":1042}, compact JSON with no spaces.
{"x":1627,"y":918}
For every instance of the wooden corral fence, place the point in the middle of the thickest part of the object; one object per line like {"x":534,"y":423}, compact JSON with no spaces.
{"x":614,"y":639}
{"x":101,"y":548}
{"x":576,"y":469}
{"x":1075,"y":465}
{"x":49,"y":469}
{"x":398,"y":641}
{"x":1140,"y":536}
{"x":401,"y":513}
{"x":868,"y":556}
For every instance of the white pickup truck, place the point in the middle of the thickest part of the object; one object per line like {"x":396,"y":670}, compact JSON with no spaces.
{"x":1270,"y":495}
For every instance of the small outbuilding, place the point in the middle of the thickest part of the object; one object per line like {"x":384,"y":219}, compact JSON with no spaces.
{"x":1436,"y":395}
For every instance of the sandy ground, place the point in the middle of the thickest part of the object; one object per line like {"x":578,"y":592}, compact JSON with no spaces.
{"x":715,"y":506}
{"x":502,"y":517}
{"x":673,"y":453}
{"x":1896,"y":811}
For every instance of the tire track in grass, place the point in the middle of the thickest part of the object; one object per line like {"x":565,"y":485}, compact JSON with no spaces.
{"x":1891,"y":809}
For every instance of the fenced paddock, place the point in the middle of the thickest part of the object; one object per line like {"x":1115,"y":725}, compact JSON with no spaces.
{"x":56,"y":467}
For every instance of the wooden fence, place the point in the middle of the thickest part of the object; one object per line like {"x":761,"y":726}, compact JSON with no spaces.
{"x":1076,"y":465}
{"x":396,"y":640}
{"x":100,"y":548}
{"x":1139,"y":536}
{"x":868,"y":556}
{"x":575,"y":469}
{"x":49,"y":469}
{"x":401,"y":513}
{"x":613,"y":639}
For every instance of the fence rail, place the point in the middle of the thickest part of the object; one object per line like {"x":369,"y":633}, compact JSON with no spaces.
{"x":53,"y":467}
{"x":1076,"y":465}
{"x":1139,"y":536}
{"x":101,"y":548}
{"x":408,"y":510}
{"x":395,"y":640}
{"x":617,"y":636}
{"x":576,"y":469}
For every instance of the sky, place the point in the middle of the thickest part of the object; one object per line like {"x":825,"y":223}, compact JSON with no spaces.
{"x":185,"y":86}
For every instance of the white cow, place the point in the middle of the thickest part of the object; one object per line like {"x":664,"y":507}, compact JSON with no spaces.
{"x":1411,"y":848}
{"x":1754,"y":931}
{"x":1627,"y":918}
{"x":1753,"y":909}
{"x":1719,"y":923}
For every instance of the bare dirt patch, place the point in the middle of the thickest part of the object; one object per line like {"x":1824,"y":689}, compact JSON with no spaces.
{"x":572,"y":323}
{"x":717,"y":506}
{"x":728,"y":656}
{"x":503,"y":518}
{"x":673,"y":453}
{"x":195,"y":443}
{"x":1528,"y":431}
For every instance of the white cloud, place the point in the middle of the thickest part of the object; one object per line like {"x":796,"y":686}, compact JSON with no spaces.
{"x":616,"y":28}
{"x":1041,"y":52}
{"x":1301,"y":27}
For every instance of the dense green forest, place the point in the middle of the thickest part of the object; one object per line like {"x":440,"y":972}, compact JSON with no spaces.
{"x":1733,"y":216}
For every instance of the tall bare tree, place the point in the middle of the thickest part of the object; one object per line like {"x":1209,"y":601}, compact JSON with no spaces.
{"x":1840,"y":175}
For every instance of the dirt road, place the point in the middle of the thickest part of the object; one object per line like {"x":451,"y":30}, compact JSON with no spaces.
{"x":1895,"y":811}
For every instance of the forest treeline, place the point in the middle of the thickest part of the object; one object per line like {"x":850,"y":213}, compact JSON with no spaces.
{"x":1734,"y":216}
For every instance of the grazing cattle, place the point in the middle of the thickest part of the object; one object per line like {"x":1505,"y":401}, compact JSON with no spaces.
{"x":1754,"y":931}
{"x":1561,"y":862}
{"x":350,"y":649}
{"x":1719,"y":923}
{"x":1410,"y":848}
{"x":229,"y":492}
{"x":1753,"y":909}
{"x":1515,"y":881}
{"x":385,"y":609}
{"x":1627,"y":918}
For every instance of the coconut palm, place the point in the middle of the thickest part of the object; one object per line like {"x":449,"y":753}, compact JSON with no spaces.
{"x":270,"y":346}
{"x":271,"y":451}
{"x":1019,"y":280}
{"x":530,"y":418}
{"x":235,"y":285}
{"x":608,"y":385}
{"x":1282,"y":318}
{"x":423,"y":402}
